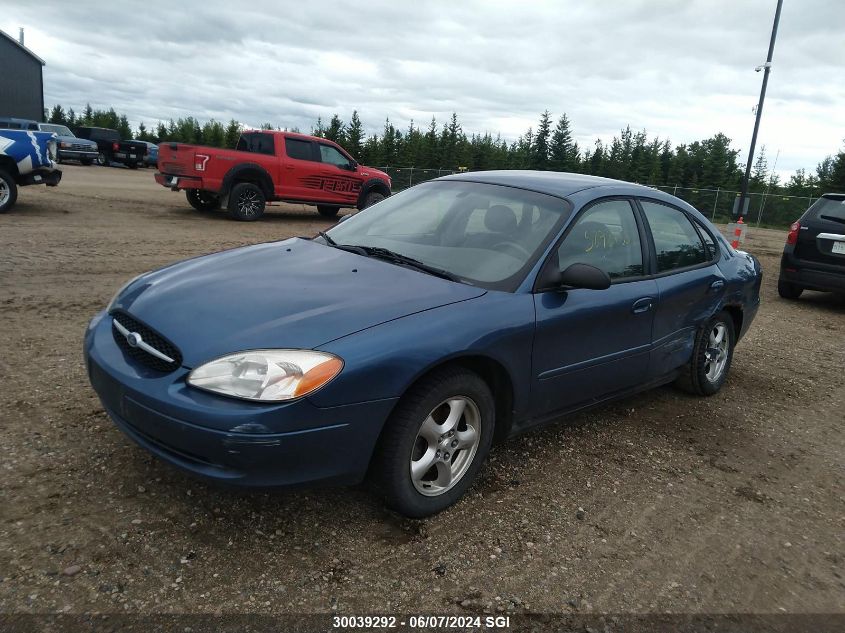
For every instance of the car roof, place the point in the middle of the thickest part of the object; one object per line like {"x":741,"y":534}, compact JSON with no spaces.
{"x":554,"y":183}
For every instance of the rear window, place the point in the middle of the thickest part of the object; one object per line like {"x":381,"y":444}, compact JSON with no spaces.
{"x":830,"y":209}
{"x":257,"y":144}
{"x":98,"y":134}
{"x":297,"y":149}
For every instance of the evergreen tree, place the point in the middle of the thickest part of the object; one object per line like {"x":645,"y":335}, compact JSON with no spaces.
{"x":57,"y":115}
{"x":354,"y":136}
{"x":540,"y":148}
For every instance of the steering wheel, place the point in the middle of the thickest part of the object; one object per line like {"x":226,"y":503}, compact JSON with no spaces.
{"x":518,"y":249}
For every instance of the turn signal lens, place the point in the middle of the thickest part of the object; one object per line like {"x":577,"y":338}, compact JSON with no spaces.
{"x":318,"y":376}
{"x":792,"y":236}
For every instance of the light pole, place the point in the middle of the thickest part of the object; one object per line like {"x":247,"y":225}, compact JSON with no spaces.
{"x":766,"y":68}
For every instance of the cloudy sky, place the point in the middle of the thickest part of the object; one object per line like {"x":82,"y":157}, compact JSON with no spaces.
{"x":682,"y":69}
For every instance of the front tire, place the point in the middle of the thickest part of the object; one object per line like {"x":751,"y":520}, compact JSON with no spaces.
{"x":102,"y":159}
{"x":202,"y":200}
{"x":372,"y":198}
{"x":788,"y":290}
{"x":8,"y":191}
{"x":327,"y":211}
{"x":246,"y":202}
{"x":434,"y":443}
{"x":712,"y":354}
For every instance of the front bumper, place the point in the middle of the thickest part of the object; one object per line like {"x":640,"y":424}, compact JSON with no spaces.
{"x":178,"y":182}
{"x":820,"y":277}
{"x":49,"y":177}
{"x":229,"y":440}
{"x":72,"y":154}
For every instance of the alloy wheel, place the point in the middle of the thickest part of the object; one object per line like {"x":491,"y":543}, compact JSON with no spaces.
{"x":5,"y":192}
{"x":445,"y":446}
{"x":249,"y":203}
{"x":716,"y":354}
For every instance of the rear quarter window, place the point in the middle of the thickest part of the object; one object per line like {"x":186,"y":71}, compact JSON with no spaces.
{"x":257,"y":144}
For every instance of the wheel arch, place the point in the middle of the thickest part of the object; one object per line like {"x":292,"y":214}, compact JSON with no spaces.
{"x":8,"y":164}
{"x":248,"y":172}
{"x":492,"y":372}
{"x":736,"y":314}
{"x":374,"y":184}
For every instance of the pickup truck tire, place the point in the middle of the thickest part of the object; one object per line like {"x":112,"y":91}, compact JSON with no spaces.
{"x":372,"y":198}
{"x":246,"y":202}
{"x":102,"y":160}
{"x":202,"y":200}
{"x":327,"y":211}
{"x":8,"y":191}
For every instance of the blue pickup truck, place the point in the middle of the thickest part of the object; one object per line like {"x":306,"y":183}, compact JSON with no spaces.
{"x":26,"y":158}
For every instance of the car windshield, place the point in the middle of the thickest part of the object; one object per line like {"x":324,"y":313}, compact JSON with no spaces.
{"x":60,"y":130}
{"x":482,"y":234}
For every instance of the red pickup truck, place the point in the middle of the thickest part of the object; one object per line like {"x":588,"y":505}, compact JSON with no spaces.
{"x":269,"y":165}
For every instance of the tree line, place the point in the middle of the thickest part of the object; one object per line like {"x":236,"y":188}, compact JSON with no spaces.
{"x":709,"y":163}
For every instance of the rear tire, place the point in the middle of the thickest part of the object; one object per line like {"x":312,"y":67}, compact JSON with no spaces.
{"x":8,"y":191}
{"x":446,"y":421}
{"x":372,"y":198}
{"x":327,"y":211}
{"x":788,"y":290}
{"x":246,"y":202}
{"x":707,"y":370}
{"x":202,"y":200}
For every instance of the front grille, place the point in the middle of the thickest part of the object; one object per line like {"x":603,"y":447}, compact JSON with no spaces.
{"x":151,"y":338}
{"x":79,"y":147}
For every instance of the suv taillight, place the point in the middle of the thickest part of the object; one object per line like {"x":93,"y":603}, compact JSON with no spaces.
{"x":792,"y":236}
{"x":115,"y":146}
{"x":200,"y":160}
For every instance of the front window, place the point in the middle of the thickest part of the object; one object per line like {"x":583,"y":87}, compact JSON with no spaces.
{"x":486,"y":235}
{"x":330,"y":155}
{"x":605,"y":236}
{"x":59,"y":130}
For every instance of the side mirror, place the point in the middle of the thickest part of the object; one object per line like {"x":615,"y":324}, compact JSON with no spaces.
{"x":576,"y":276}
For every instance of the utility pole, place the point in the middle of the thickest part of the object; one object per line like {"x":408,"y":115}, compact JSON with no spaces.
{"x":766,"y":68}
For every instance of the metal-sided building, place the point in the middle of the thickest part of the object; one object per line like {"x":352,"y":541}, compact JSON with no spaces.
{"x":21,"y":80}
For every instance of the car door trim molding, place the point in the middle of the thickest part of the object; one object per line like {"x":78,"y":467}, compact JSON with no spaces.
{"x":831,"y":236}
{"x":592,"y":362}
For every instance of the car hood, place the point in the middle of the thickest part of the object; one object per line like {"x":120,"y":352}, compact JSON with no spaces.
{"x":291,"y":294}
{"x":76,"y":140}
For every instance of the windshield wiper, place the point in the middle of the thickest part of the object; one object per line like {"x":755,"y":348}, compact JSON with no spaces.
{"x":397,"y":258}
{"x":329,"y":240}
{"x":344,"y":247}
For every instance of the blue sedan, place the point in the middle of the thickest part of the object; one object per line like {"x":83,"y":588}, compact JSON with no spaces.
{"x":400,"y":344}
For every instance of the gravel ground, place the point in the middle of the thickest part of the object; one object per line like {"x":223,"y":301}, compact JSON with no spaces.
{"x":660,"y":502}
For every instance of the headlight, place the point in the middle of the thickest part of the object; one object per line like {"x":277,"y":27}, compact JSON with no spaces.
{"x":51,"y":150}
{"x":267,"y":375}
{"x":121,"y":289}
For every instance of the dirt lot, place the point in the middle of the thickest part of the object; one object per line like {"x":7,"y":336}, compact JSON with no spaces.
{"x":729,"y":504}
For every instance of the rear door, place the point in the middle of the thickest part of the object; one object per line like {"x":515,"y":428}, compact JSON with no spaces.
{"x":689,"y":282}
{"x":821,"y":238}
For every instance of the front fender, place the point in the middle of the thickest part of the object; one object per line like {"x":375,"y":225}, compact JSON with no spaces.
{"x":383,"y":361}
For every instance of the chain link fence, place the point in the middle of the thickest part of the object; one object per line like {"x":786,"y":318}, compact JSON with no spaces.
{"x":764,"y":209}
{"x":404,"y":177}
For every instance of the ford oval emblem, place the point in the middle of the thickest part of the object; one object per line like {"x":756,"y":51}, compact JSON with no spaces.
{"x":134,"y":339}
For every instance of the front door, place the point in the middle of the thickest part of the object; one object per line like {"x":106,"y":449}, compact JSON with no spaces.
{"x":340,"y":183}
{"x":590,"y":344}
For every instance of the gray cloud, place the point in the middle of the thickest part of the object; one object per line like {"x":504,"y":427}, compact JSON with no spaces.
{"x":681,"y":69}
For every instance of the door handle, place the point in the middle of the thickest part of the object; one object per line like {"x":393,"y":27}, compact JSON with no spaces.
{"x":717,"y":285}
{"x":642,"y":305}
{"x":289,"y":167}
